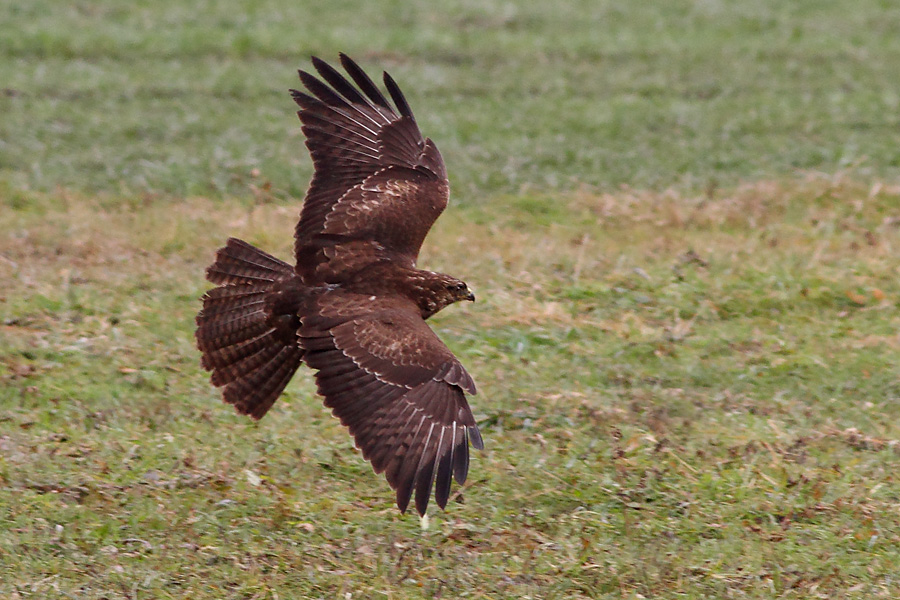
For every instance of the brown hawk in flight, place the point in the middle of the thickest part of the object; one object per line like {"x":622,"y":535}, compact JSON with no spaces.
{"x":354,"y":306}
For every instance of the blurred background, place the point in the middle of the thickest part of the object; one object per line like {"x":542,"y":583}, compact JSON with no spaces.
{"x":177,"y":98}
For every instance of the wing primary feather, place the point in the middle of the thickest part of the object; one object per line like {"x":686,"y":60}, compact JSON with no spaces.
{"x":344,"y":87}
{"x":399,"y":98}
{"x":364,"y":82}
{"x":305,"y":101}
{"x":319,"y":120}
{"x":475,"y":437}
{"x":461,"y":464}
{"x":425,"y":476}
{"x":335,"y":101}
{"x":371,"y":157}
{"x":341,"y":110}
{"x":348,"y":140}
{"x":405,"y":479}
{"x":444,"y":476}
{"x":322,"y":91}
{"x":420,"y":464}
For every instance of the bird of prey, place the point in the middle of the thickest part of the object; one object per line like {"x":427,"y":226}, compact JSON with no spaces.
{"x":354,"y":305}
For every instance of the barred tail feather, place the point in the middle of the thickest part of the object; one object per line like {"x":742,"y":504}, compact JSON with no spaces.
{"x":242,"y":263}
{"x":250,"y":351}
{"x":255,"y":392}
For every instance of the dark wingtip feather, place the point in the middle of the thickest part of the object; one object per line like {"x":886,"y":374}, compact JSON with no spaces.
{"x":424,"y":480}
{"x":461,"y":460}
{"x":444,"y":478}
{"x":303,"y":100}
{"x":364,"y":82}
{"x":398,"y":97}
{"x":320,"y":90}
{"x":404,"y":493}
{"x":408,"y":470}
{"x":338,"y":81}
{"x":475,"y":438}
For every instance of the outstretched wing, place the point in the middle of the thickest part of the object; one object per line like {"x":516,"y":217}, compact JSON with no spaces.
{"x":397,"y":387}
{"x":378,"y":185}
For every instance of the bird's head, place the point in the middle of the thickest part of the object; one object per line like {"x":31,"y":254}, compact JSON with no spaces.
{"x":458,"y":290}
{"x":441,"y":291}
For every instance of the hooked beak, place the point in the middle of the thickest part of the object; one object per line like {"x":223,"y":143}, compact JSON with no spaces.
{"x":470,"y":297}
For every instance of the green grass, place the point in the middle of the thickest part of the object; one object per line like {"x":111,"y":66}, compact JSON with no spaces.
{"x":681,"y":396}
{"x":689,"y":383}
{"x":176,"y":98}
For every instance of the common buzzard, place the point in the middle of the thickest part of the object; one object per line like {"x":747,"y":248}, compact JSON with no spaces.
{"x":354,"y":306}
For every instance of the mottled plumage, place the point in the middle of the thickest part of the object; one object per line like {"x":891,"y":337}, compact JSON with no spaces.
{"x":354,"y":306}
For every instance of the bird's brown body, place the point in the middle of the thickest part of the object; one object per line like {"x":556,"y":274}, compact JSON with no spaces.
{"x":354,"y":306}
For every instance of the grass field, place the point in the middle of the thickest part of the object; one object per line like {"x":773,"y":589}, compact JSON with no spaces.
{"x":682,"y":222}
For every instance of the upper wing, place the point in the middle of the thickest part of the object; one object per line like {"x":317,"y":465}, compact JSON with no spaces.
{"x":376,"y":179}
{"x":397,"y":387}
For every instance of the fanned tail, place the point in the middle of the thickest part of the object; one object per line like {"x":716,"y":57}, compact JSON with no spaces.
{"x":247,"y":329}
